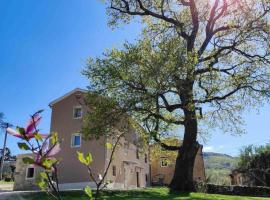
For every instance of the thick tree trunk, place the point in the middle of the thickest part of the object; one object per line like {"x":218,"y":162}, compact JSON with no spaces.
{"x":183,"y":175}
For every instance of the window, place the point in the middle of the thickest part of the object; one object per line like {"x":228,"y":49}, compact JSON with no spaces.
{"x":30,"y":173}
{"x":146,"y":178}
{"x":145,"y":158}
{"x":164,"y":162}
{"x":114,"y":170}
{"x":77,"y":112}
{"x":137,"y":154}
{"x":76,"y":140}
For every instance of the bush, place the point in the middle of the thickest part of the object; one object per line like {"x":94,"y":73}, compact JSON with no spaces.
{"x":8,"y":179}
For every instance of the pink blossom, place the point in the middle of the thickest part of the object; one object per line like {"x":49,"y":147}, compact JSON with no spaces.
{"x":29,"y":130}
{"x":46,"y":153}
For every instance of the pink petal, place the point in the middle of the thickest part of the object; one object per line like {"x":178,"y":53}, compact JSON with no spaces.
{"x":29,"y":135}
{"x":54,"y":169}
{"x":44,"y":147}
{"x":14,"y":133}
{"x":38,"y":158}
{"x":32,"y":123}
{"x":56,"y":149}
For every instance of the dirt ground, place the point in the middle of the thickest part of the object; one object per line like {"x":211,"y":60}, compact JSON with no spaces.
{"x":6,"y":187}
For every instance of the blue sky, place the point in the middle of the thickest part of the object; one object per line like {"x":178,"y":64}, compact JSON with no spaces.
{"x":43,"y":49}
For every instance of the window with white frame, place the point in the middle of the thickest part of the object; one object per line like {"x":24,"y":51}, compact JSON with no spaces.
{"x":76,"y":140}
{"x":30,"y":173}
{"x":164,"y":162}
{"x":77,"y":112}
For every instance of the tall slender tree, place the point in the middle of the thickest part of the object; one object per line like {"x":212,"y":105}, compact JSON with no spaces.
{"x":196,"y":61}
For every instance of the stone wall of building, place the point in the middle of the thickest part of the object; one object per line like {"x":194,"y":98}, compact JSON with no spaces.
{"x":20,"y":180}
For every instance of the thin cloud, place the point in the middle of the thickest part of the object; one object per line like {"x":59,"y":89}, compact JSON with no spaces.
{"x":208,"y":148}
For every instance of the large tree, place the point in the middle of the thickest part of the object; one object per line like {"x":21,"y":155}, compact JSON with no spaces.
{"x":196,"y":61}
{"x":8,"y":155}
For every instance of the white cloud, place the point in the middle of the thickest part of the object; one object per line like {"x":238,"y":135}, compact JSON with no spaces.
{"x":208,"y":148}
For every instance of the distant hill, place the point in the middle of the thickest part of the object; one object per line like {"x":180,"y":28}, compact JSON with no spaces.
{"x":219,"y":161}
{"x":218,"y":167}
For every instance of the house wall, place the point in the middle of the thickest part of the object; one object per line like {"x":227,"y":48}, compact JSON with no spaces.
{"x":74,"y":175}
{"x":164,"y":175}
{"x":20,"y":181}
{"x":128,"y":165}
{"x":241,"y":179}
{"x":71,"y":172}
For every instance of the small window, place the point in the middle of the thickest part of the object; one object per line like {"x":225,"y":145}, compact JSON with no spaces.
{"x":30,"y":173}
{"x":137,"y":154}
{"x":146,"y":178}
{"x":114,"y":170}
{"x":145,"y":158}
{"x":164,"y":162}
{"x":76,"y":140}
{"x":77,"y":112}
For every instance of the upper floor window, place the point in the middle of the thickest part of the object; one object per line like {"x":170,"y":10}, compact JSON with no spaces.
{"x":77,"y":112}
{"x":145,"y":158}
{"x":30,"y":173}
{"x":76,"y":140}
{"x":114,"y":170}
{"x":164,"y":162}
{"x":137,"y":154}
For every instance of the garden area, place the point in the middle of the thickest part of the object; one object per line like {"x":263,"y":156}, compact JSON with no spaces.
{"x":146,"y":194}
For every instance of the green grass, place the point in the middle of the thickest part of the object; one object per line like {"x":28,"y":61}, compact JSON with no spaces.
{"x":4,"y":182}
{"x":148,"y":194}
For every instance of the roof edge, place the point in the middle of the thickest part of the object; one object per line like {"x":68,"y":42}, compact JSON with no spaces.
{"x":67,"y":95}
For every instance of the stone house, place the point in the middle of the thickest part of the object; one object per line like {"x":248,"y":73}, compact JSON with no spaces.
{"x":241,"y":178}
{"x":129,"y":169}
{"x":163,"y":167}
{"x":26,"y":176}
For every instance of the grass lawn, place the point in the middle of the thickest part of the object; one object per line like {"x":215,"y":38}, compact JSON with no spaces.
{"x":148,"y":194}
{"x":4,"y":182}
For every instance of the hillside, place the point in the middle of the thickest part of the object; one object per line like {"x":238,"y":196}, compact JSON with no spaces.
{"x":218,"y":167}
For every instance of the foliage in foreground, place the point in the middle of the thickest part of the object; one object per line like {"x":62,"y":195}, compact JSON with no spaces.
{"x":148,"y":194}
{"x":100,"y":182}
{"x":43,"y":148}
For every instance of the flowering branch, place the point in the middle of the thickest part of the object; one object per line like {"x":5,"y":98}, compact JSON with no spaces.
{"x":44,"y":148}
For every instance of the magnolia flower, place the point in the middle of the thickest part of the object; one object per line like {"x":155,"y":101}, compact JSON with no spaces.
{"x":46,"y":153}
{"x":29,"y":131}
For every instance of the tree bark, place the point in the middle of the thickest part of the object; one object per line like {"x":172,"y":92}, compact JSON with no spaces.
{"x":183,"y":175}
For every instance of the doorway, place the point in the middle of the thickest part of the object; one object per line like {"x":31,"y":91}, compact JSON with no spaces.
{"x":138,"y":179}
